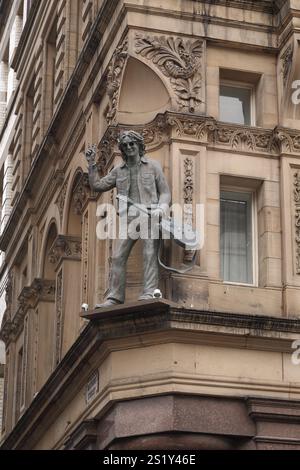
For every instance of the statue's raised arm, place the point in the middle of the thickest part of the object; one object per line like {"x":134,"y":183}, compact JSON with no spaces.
{"x":96,"y":183}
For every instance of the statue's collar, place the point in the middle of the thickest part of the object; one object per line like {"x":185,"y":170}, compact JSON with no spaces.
{"x":142,"y":160}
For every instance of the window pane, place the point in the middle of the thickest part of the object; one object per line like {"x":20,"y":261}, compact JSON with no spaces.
{"x":235,"y":105}
{"x":236,"y":237}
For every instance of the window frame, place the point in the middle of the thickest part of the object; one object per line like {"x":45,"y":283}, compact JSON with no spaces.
{"x":254,"y":232}
{"x":245,"y":85}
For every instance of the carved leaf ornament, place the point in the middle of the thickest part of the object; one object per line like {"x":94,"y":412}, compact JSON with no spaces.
{"x":179,"y":60}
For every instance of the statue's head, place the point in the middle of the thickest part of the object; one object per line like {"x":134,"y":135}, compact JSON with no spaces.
{"x":132,"y":136}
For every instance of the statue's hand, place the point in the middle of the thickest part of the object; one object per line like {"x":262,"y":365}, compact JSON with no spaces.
{"x":90,"y":154}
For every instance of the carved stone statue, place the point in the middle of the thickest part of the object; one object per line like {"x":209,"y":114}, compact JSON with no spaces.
{"x":139,"y":180}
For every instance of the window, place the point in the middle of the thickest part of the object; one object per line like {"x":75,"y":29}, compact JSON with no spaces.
{"x":237,"y":103}
{"x":236,"y":237}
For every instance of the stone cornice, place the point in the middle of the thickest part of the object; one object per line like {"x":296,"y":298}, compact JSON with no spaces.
{"x":133,"y":320}
{"x":205,"y":130}
{"x":268,"y":6}
{"x":41,"y":290}
{"x":273,"y":410}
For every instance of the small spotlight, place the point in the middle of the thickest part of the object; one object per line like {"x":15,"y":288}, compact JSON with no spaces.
{"x":157,"y":294}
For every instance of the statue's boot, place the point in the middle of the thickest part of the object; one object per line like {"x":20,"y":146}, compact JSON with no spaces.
{"x":108,"y":303}
{"x":146,"y":297}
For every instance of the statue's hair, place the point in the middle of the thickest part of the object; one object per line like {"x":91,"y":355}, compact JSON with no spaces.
{"x":136,"y":137}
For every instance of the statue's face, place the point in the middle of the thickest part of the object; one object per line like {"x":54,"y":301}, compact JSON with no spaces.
{"x":130,"y":147}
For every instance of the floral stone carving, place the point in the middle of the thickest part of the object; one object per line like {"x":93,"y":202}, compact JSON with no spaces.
{"x":180,"y":61}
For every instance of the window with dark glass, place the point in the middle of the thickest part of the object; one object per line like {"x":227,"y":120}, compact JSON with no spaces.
{"x":236,"y":239}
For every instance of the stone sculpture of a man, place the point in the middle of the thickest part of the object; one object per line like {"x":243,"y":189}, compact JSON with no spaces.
{"x":142,"y":181}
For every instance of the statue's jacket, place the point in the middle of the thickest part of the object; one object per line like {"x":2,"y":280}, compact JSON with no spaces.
{"x":152,"y":184}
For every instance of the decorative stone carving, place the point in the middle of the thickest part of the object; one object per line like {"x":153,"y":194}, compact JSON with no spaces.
{"x":45,"y":289}
{"x":250,"y":139}
{"x":85,"y":258}
{"x":59,"y":318}
{"x":188,"y":186}
{"x":180,"y":61}
{"x":188,"y":192}
{"x":287,"y":59}
{"x":81,"y":193}
{"x":155,"y":134}
{"x":297,"y":218}
{"x":200,"y":128}
{"x":114,"y":77}
{"x":65,"y":247}
{"x":204,"y":129}
{"x":40,"y":290}
{"x":60,"y":201}
{"x":24,"y":363}
{"x":9,"y":290}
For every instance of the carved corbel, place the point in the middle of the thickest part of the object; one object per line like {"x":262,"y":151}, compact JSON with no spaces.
{"x":65,"y":247}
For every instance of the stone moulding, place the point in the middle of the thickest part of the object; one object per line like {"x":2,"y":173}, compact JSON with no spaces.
{"x":180,"y":61}
{"x":40,"y":290}
{"x":204,"y":130}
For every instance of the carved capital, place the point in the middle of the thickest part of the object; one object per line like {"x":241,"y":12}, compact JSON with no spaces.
{"x":65,"y":247}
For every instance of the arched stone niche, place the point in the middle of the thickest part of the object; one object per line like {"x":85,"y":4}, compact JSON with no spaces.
{"x":143,"y":95}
